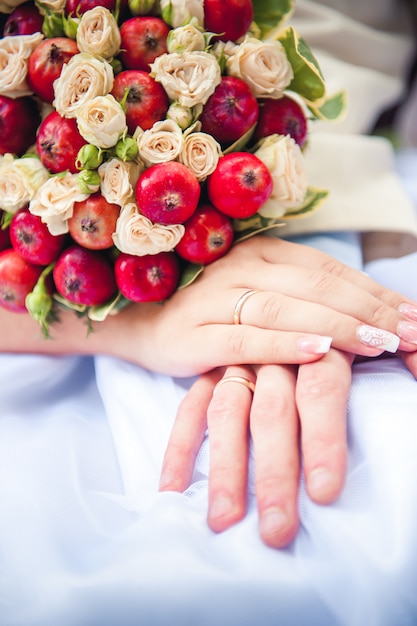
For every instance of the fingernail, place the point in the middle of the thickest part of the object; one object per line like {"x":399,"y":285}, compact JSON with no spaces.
{"x":378,"y":338}
{"x":220,"y":507}
{"x":314,"y":344}
{"x":409,"y":310}
{"x":407,"y":331}
{"x":319,"y":481}
{"x":273,"y":521}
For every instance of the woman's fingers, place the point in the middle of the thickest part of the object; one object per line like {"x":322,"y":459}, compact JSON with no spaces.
{"x":322,"y":393}
{"x":274,"y":429}
{"x":187,"y":434}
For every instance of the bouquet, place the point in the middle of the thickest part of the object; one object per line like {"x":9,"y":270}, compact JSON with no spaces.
{"x":141,"y":139}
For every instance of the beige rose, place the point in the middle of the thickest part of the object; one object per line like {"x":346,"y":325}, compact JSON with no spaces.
{"x":285,"y":161}
{"x":19,"y":181}
{"x":54,"y":6}
{"x":179,"y":12}
{"x":118,"y":179}
{"x":54,"y":201}
{"x":82,"y":78}
{"x":200,"y":154}
{"x":7,"y":6}
{"x":189,"y":78}
{"x":263,"y":65}
{"x":186,"y":39}
{"x":136,"y":234}
{"x":98,"y":33}
{"x":14,"y":55}
{"x":163,"y":142}
{"x":101,"y":121}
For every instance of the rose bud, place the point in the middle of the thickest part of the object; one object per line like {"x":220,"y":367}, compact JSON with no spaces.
{"x":89,"y":157}
{"x":89,"y":181}
{"x":127,"y":149}
{"x":141,"y":7}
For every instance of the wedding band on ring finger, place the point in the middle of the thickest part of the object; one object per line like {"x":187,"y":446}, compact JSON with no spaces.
{"x":238,"y":379}
{"x":239,"y":304}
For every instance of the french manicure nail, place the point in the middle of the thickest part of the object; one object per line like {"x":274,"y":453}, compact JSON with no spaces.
{"x":407,"y":331}
{"x":314,"y":344}
{"x":408,"y":310}
{"x":378,"y":338}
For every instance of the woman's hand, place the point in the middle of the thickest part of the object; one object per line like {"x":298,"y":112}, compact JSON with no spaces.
{"x":287,"y":407}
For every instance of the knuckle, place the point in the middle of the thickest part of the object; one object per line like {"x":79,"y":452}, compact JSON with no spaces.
{"x":322,"y":281}
{"x":318,"y":383}
{"x":273,"y":310}
{"x":236,"y":343}
{"x":378,"y":313}
{"x":333,"y":267}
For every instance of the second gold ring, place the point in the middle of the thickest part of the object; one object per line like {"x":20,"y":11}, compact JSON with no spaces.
{"x":239,"y":304}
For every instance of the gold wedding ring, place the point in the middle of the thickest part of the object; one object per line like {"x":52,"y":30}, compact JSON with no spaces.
{"x":239,"y":304}
{"x":238,"y":379}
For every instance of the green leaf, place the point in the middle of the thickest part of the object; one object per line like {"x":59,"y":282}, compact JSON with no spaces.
{"x":240,"y":143}
{"x":313,"y":200}
{"x":191,"y":272}
{"x":100,"y":312}
{"x":270,"y":14}
{"x":254,"y":225}
{"x":308,"y":80}
{"x":331,"y":109}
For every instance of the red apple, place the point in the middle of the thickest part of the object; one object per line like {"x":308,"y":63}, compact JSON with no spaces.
{"x":146,"y":102}
{"x":208,"y":236}
{"x":19,"y":121}
{"x":93,"y":222}
{"x":284,"y":116}
{"x":149,"y":278}
{"x":17,"y":279}
{"x":143,"y":39}
{"x":31,"y":238}
{"x":45,"y":65}
{"x":239,"y":185}
{"x":167,"y":193}
{"x":84,"y":276}
{"x":231,"y":19}
{"x":230,"y":111}
{"x":58,"y":143}
{"x":23,"y":20}
{"x":4,"y":238}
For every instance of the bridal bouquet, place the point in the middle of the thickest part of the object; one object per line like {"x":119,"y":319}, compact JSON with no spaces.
{"x":141,"y":139}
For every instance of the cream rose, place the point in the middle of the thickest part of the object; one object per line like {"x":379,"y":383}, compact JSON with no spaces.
{"x":185,"y":39}
{"x":14,"y":55}
{"x":179,"y":12}
{"x":285,"y":161}
{"x":54,"y":201}
{"x":188,"y":78}
{"x":56,"y":6}
{"x":19,"y":181}
{"x":10,"y":5}
{"x":136,"y":234}
{"x":82,"y":78}
{"x":101,"y":121}
{"x":263,"y":65}
{"x":118,"y":179}
{"x":98,"y":33}
{"x":200,"y":154}
{"x":163,"y":142}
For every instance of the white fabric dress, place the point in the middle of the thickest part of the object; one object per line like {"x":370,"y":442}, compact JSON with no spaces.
{"x":87,"y":540}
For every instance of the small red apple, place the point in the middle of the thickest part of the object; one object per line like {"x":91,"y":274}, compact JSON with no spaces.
{"x":149,"y":278}
{"x":167,"y":193}
{"x":19,"y":120}
{"x":239,"y":185}
{"x":284,"y":116}
{"x":93,"y":222}
{"x":45,"y":65}
{"x":143,"y":39}
{"x":146,"y":102}
{"x":23,"y":20}
{"x":84,"y":276}
{"x":58,"y":143}
{"x":230,"y":111}
{"x":17,"y":278}
{"x":208,"y":236}
{"x":231,"y":19}
{"x":31,"y":238}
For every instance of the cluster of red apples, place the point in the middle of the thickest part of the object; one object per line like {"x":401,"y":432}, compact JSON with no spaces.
{"x":86,"y":268}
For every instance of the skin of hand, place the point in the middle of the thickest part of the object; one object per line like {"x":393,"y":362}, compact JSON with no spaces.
{"x":293,"y":413}
{"x":304,"y":296}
